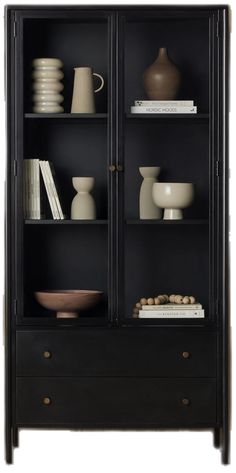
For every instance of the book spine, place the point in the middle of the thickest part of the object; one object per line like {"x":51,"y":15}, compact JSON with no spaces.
{"x":175,"y":314}
{"x":34,"y":189}
{"x":54,"y":189}
{"x":37,"y":189}
{"x":164,"y":103}
{"x":140,"y":109}
{"x":168,"y":307}
{"x":51,"y":190}
{"x":25,"y":189}
{"x":31,"y":188}
{"x":45,"y":180}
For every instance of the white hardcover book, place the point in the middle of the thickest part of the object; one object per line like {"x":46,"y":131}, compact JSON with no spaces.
{"x":140,"y":109}
{"x":172,"y":314}
{"x":172,"y":307}
{"x":164,"y":103}
{"x":51,"y":191}
{"x":47,"y":187}
{"x":33,"y":190}
{"x":31,"y":187}
{"x":25,"y":188}
{"x":50,"y":171}
{"x":28,"y":187}
{"x":37,"y":190}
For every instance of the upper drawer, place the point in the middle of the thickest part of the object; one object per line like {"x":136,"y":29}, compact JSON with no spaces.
{"x":116,"y":352}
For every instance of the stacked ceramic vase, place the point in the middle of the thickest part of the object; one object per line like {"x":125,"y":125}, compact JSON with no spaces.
{"x":47,"y":85}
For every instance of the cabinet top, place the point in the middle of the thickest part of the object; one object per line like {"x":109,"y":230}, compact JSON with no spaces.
{"x":117,"y":7}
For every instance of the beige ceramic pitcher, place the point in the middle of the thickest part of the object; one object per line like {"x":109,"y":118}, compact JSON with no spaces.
{"x":83,"y":91}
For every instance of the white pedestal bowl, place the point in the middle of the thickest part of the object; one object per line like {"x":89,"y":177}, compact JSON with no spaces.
{"x":173,"y":197}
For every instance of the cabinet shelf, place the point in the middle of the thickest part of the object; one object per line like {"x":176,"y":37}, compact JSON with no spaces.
{"x":167,"y":322}
{"x":160,"y":116}
{"x":168,"y":222}
{"x":67,"y":116}
{"x":65,"y":222}
{"x":53,"y":321}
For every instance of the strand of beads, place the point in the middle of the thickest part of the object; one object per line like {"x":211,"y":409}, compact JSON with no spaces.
{"x":162,"y":299}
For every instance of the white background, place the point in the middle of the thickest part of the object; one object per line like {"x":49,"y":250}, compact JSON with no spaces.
{"x":86,"y":452}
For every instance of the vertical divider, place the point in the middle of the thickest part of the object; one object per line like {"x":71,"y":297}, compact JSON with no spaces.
{"x":111,"y":136}
{"x":212,"y":168}
{"x":120,"y":198}
{"x":18,"y":157}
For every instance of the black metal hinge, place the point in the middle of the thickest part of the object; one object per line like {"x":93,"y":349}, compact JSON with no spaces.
{"x":217,"y":307}
{"x":15,"y":168}
{"x":15,"y":306}
{"x":217,"y":168}
{"x":14,"y":29}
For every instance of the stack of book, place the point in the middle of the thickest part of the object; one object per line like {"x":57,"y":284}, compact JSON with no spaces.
{"x":32,"y":195}
{"x":163,"y":106}
{"x":172,"y":311}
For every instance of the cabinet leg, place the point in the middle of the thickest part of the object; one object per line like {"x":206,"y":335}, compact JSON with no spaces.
{"x":15,"y":437}
{"x":216,"y":438}
{"x":225,"y":448}
{"x":8,"y":445}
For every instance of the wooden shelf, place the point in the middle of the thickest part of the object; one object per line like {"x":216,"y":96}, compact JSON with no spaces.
{"x":158,"y":116}
{"x":65,"y":222}
{"x":168,"y":222}
{"x":66,"y":116}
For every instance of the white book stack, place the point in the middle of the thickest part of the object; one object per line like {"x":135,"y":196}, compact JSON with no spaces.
{"x":172,"y":311}
{"x":32,"y":189}
{"x":164,"y":106}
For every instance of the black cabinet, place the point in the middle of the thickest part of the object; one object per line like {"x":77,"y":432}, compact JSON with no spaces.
{"x":106,"y":368}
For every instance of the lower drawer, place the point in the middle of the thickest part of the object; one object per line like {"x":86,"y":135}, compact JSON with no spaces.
{"x":116,"y":402}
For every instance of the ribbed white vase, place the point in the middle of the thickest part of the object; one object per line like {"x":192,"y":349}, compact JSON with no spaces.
{"x":47,"y":85}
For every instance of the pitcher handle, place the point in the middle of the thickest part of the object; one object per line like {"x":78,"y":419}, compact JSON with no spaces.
{"x":102,"y":82}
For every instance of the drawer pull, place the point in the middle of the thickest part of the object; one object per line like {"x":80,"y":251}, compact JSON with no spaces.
{"x":47,"y":401}
{"x":186,"y":355}
{"x":185,"y":401}
{"x":112,"y":168}
{"x":47,"y":354}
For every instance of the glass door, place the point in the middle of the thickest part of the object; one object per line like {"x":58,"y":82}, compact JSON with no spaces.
{"x":166,"y":250}
{"x":72,"y":253}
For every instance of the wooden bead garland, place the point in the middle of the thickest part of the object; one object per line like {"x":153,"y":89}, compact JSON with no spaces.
{"x":161,"y":300}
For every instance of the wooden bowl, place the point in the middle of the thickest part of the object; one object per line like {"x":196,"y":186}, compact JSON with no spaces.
{"x":67,"y":303}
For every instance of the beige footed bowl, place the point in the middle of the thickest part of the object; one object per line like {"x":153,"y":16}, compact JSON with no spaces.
{"x":173,"y":197}
{"x":67,"y":303}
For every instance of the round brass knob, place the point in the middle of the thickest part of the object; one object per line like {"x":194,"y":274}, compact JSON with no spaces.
{"x":186,"y":355}
{"x":185,"y":401}
{"x":112,"y":168}
{"x":47,"y":401}
{"x":119,"y":167}
{"x":47,"y":354}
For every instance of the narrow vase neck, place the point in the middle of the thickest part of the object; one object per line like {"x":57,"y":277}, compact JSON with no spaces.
{"x":162,"y":55}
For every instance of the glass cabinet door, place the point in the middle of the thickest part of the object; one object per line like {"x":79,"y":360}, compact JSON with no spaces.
{"x":70,"y":253}
{"x":159,"y":253}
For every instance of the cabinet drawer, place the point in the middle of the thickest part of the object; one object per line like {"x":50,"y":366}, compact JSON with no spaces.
{"x":116,"y":352}
{"x":116,"y":401}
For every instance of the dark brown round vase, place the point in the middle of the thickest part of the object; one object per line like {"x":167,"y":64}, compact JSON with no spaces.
{"x":162,"y":79}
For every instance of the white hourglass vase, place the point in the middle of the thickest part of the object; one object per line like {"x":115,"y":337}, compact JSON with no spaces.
{"x":147,"y":207}
{"x":83,"y":205}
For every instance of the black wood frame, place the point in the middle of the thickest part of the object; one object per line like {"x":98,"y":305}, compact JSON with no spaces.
{"x":218,"y":220}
